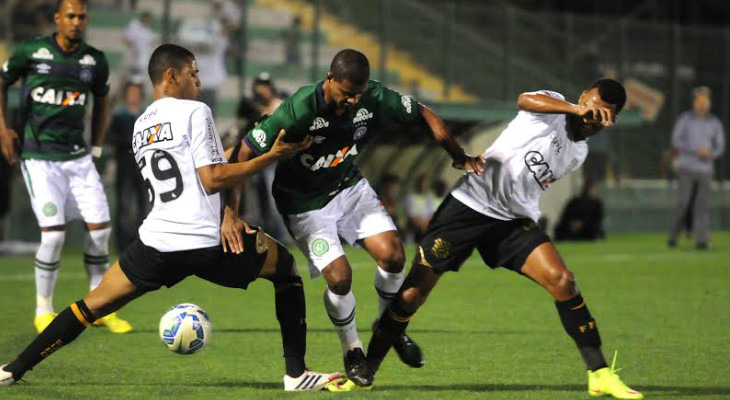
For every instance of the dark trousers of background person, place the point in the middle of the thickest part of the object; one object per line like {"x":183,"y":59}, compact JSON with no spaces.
{"x":695,"y":187}
{"x":132,"y":202}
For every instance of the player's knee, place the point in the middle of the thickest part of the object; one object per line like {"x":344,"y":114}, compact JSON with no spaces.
{"x":52,"y":243}
{"x":285,"y":265}
{"x":412,"y":298}
{"x":393,"y":260}
{"x":563,"y":284}
{"x":96,"y":242}
{"x":339,"y":281}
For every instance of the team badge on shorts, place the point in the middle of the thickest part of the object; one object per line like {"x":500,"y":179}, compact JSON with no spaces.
{"x":320,"y":247}
{"x":49,"y":209}
{"x":440,"y":248}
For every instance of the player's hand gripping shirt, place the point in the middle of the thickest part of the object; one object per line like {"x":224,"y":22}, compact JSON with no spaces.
{"x":309,"y":180}
{"x":531,"y":153}
{"x":171,"y":140}
{"x":57,"y":86}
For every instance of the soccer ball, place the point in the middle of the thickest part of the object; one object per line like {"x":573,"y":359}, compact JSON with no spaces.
{"x":185,"y":328}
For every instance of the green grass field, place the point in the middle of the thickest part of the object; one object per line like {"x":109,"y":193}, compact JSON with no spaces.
{"x":486,"y":334}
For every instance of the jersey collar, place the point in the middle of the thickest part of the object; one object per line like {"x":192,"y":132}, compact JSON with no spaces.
{"x":322,"y":108}
{"x":54,"y":43}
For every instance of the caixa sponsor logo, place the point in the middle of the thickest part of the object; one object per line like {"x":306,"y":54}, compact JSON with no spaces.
{"x":57,"y":97}
{"x":328,"y":161}
{"x":153,"y":134}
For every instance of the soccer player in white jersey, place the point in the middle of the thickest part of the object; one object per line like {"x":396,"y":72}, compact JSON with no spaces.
{"x":495,"y":214}
{"x":181,"y":159}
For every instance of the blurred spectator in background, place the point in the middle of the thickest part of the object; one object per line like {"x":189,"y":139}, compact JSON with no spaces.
{"x":32,"y":18}
{"x":293,"y":43}
{"x":4,"y":195}
{"x":207,"y":39}
{"x":130,"y":190}
{"x":132,"y":4}
{"x":699,"y":138}
{"x":582,"y":217}
{"x":139,"y":39}
{"x":258,"y":203}
{"x":420,"y":206}
{"x":440,"y":189}
{"x":389,"y":191}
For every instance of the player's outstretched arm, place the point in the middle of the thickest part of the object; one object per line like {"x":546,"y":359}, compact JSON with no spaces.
{"x":441,"y":134}
{"x":9,"y":140}
{"x":216,"y":177}
{"x":545,"y":104}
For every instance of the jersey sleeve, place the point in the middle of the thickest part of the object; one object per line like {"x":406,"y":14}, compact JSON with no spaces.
{"x":262,"y":137}
{"x":395,"y":107}
{"x":101,"y":82}
{"x":549,"y":93}
{"x":205,"y":145}
{"x":16,"y":66}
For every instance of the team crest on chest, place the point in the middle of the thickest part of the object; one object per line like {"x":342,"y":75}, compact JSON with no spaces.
{"x":85,"y":75}
{"x":360,"y":132}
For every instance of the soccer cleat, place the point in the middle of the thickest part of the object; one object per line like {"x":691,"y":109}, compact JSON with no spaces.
{"x":6,"y":378}
{"x":311,"y":381}
{"x":409,"y":352}
{"x":356,"y":367}
{"x":114,"y":323}
{"x":43,"y":320}
{"x":347,"y":386}
{"x":605,"y":382}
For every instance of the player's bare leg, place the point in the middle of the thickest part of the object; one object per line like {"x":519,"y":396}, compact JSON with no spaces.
{"x":545,"y":266}
{"x":281,"y":270}
{"x":114,"y":291}
{"x":386,"y":248}
{"x":47,"y":262}
{"x":96,"y":262}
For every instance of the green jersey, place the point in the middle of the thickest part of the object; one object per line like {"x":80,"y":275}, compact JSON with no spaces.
{"x":56,"y":89}
{"x":310,"y":179}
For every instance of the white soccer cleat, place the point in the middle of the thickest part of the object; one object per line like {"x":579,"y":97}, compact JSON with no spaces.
{"x":311,"y":381}
{"x":6,"y":378}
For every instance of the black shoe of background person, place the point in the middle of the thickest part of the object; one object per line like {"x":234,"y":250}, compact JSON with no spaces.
{"x":702,"y":246}
{"x":672,"y":243}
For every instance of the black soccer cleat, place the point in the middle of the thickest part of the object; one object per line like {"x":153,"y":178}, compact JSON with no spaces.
{"x":409,"y":352}
{"x":356,"y":367}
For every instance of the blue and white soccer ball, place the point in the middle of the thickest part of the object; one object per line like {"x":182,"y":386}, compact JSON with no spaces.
{"x":185,"y":328}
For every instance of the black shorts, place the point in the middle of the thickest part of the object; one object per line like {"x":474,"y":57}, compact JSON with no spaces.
{"x":456,"y":230}
{"x":148,"y":269}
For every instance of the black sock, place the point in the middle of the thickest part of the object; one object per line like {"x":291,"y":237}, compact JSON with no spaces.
{"x":66,"y":327}
{"x":292,"y":315}
{"x":391,"y":326}
{"x":581,"y":326}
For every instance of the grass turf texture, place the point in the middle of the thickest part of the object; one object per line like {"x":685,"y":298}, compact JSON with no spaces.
{"x":486,"y":334}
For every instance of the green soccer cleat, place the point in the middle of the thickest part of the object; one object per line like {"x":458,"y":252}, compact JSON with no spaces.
{"x":605,"y":382}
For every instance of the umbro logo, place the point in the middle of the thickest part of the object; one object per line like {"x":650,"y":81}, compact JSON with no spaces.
{"x":319,"y":123}
{"x":318,"y":139}
{"x":42,"y":54}
{"x":406,"y":101}
{"x":87,"y":60}
{"x":43,"y":68}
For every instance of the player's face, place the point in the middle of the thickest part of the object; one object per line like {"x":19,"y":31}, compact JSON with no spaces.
{"x":344,"y":94}
{"x":701,"y":103}
{"x":71,"y":20}
{"x":188,"y":81}
{"x":590,"y":125}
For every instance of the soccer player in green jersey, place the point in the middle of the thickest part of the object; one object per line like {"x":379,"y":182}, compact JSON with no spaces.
{"x":322,"y":195}
{"x":60,"y":74}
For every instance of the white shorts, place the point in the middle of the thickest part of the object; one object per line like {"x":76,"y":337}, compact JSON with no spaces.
{"x":355,"y":213}
{"x":62,"y":191}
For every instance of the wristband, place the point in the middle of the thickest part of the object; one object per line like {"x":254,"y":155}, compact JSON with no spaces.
{"x":96,"y":151}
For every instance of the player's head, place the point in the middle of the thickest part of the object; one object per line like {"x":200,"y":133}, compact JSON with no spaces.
{"x":133,"y":92}
{"x":347,"y":78}
{"x":605,"y":93}
{"x":701,"y":100}
{"x":263,"y":88}
{"x":173,"y":70}
{"x":71,"y":19}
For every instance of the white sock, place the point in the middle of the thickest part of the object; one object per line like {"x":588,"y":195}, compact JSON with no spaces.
{"x":387,"y":285}
{"x":47,"y":261}
{"x":96,"y":255}
{"x":341,"y":310}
